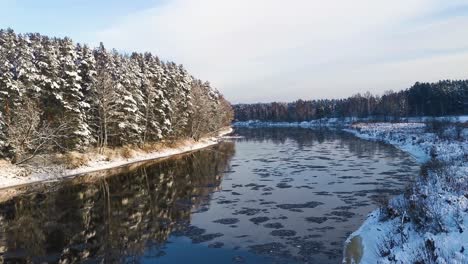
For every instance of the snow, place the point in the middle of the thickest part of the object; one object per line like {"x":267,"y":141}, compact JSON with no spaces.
{"x":346,"y":121}
{"x":412,"y":143}
{"x":440,"y":197}
{"x":461,"y":119}
{"x":324,"y":122}
{"x":11,"y":175}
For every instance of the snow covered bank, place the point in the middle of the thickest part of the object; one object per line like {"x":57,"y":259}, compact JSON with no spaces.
{"x":324,"y":122}
{"x":409,"y":137}
{"x":347,"y":121}
{"x":11,"y":175}
{"x":427,"y":224}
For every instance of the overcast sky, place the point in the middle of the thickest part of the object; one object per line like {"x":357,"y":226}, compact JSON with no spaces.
{"x":272,"y":50}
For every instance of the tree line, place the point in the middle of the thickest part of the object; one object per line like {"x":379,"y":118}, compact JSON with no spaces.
{"x":442,"y":98}
{"x":56,"y":95}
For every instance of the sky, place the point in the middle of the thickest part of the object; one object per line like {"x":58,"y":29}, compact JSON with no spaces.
{"x":271,"y":50}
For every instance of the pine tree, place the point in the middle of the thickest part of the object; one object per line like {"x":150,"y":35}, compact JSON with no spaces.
{"x":126,"y":117}
{"x":154,"y":108}
{"x":27,"y":72}
{"x":3,"y":137}
{"x":10,"y":92}
{"x":87,"y":73}
{"x":78,"y":97}
{"x":48,"y":81}
{"x":180,"y":102}
{"x":74,"y":103}
{"x":135,"y":117}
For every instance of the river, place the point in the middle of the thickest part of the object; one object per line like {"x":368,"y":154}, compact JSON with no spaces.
{"x":276,"y":195}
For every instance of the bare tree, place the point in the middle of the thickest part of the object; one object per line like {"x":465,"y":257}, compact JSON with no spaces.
{"x":29,"y":136}
{"x":200,"y":121}
{"x":369,"y":98}
{"x":105,"y":97}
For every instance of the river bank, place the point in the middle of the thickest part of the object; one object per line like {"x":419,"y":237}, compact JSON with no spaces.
{"x":346,"y":122}
{"x":12,"y":175}
{"x":427,"y":223}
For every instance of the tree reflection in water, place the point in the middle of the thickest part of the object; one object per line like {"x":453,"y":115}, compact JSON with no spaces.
{"x":112,"y":218}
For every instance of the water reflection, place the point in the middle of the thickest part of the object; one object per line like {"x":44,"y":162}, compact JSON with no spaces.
{"x":282,"y":196}
{"x":114,"y":218}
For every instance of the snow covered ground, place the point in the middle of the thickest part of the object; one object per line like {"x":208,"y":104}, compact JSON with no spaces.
{"x":324,"y":122}
{"x":343,"y":122}
{"x":11,"y":175}
{"x":392,"y":133}
{"x":427,"y":224}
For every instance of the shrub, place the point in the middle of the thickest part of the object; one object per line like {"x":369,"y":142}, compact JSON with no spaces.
{"x":386,"y":245}
{"x":383,"y":203}
{"x":425,"y":254}
{"x":126,"y":152}
{"x":151,"y":147}
{"x":109,"y":154}
{"x":438,"y":126}
{"x":73,"y":160}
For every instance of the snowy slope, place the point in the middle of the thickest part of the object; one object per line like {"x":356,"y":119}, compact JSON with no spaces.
{"x":428,"y":223}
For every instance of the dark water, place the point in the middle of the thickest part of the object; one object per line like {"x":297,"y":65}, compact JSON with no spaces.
{"x":276,"y":196}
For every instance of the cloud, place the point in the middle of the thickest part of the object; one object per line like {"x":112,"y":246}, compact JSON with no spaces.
{"x":262,"y":50}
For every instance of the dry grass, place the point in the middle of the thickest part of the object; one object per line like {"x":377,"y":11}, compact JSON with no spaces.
{"x":152,"y":147}
{"x":127,"y":152}
{"x":165,"y":144}
{"x":177,"y":143}
{"x":7,"y":168}
{"x":109,"y":154}
{"x":73,"y":160}
{"x":4,"y":163}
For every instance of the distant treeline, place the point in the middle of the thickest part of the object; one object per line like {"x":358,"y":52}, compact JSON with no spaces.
{"x":422,"y":99}
{"x":56,"y":95}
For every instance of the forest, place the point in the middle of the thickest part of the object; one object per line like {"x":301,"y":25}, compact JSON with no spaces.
{"x":443,"y":98}
{"x":57,"y":96}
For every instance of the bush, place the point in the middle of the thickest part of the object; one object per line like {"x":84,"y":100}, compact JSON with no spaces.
{"x":438,"y":126}
{"x":73,"y":160}
{"x":151,"y":147}
{"x":459,"y":130}
{"x":109,"y":154}
{"x":127,"y":152}
{"x":385,"y":246}
{"x":425,"y":254}
{"x":382,"y":202}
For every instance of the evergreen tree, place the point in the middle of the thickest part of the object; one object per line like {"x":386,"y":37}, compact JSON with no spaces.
{"x":180,"y":102}
{"x":74,"y":103}
{"x":126,"y":116}
{"x":76,"y":97}
{"x":87,"y":73}
{"x":10,"y":90}
{"x":48,"y":81}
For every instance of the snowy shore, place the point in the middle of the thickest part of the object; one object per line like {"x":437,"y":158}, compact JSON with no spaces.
{"x":427,"y":224}
{"x":11,"y":175}
{"x":325,"y":122}
{"x":344,"y":122}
